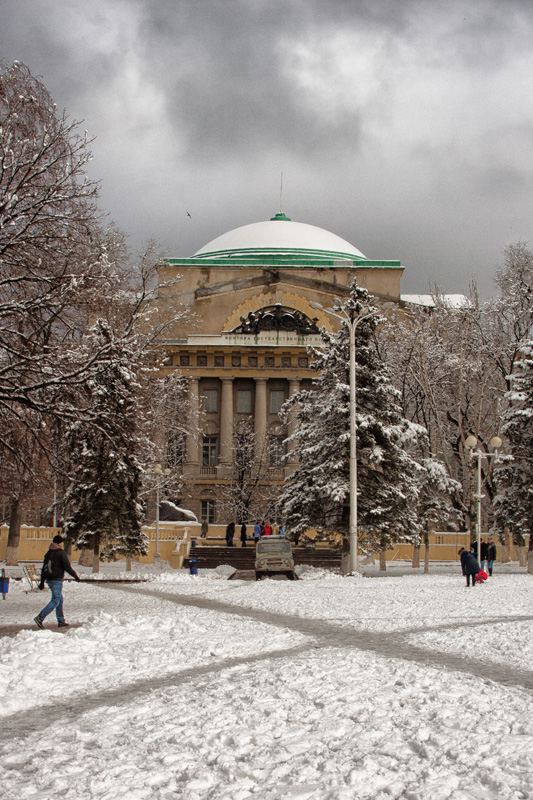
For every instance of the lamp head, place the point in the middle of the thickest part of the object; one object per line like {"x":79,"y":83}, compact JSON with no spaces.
{"x":470,"y":442}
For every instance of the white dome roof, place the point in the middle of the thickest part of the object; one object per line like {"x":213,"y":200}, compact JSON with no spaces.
{"x":279,"y":234}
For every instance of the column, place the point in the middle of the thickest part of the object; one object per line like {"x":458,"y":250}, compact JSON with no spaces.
{"x":226,"y":422}
{"x":292,"y":447}
{"x":191,"y":445}
{"x":260,"y":417}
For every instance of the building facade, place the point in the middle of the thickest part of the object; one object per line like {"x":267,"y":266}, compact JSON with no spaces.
{"x":244,"y":347}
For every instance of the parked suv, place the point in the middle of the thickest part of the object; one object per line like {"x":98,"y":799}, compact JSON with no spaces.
{"x":273,"y":556}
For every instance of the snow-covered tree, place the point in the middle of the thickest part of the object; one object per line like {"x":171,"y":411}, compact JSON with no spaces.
{"x":317,"y":493}
{"x":53,"y":257}
{"x":103,"y":509}
{"x":514,"y":473}
{"x":435,"y":492}
{"x":443,"y":362}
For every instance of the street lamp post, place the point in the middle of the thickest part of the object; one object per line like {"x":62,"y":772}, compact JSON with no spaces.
{"x":159,"y":473}
{"x":470,"y":443}
{"x":352,"y":320}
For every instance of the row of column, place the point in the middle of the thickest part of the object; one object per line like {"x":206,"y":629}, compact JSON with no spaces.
{"x":227,"y":417}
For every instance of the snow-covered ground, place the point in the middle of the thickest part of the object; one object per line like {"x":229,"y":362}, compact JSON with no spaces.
{"x":400,"y":687}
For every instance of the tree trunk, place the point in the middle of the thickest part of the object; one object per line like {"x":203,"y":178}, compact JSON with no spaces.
{"x":86,"y":557}
{"x":383,"y":560}
{"x":345,"y":556}
{"x":505,"y":547}
{"x":345,"y":563}
{"x":96,"y":558}
{"x":530,"y":555}
{"x":128,"y":563}
{"x":13,"y":538}
{"x":426,"y":552}
{"x":416,"y":556}
{"x":522,"y":555}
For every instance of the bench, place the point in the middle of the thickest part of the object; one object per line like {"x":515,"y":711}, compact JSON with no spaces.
{"x":33,"y":576}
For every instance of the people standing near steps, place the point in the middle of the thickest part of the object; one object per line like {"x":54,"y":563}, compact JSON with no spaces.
{"x":230,"y":533}
{"x":204,"y":529}
{"x":491,"y":554}
{"x":267,"y":530}
{"x":243,"y":535}
{"x":483,"y":553}
{"x":282,"y":531}
{"x":469,"y":565}
{"x":55,"y":564}
{"x":257,"y":532}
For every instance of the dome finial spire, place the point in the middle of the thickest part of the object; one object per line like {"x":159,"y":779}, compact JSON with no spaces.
{"x":281,"y":193}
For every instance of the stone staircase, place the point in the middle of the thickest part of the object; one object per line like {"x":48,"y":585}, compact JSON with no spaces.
{"x":243,"y":558}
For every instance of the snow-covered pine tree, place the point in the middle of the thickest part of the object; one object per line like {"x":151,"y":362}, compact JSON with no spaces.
{"x":317,"y":493}
{"x":102,"y":500}
{"x":514,"y":476}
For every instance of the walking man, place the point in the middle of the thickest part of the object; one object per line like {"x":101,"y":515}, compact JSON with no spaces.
{"x":55,"y":565}
{"x":243,"y":534}
{"x":230,"y":533}
{"x":484,"y":549}
{"x":491,"y":555}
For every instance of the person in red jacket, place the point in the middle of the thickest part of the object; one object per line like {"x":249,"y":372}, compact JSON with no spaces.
{"x":267,"y":530}
{"x":55,"y":565}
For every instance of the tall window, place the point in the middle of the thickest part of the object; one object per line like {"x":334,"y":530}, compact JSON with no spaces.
{"x":211,"y":401}
{"x":208,"y":510}
{"x":209,"y":451}
{"x":277,"y":398}
{"x":277,"y":451}
{"x":244,"y":401}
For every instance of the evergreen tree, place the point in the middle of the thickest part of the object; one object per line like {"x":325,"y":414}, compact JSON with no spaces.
{"x":514,"y":474}
{"x":317,"y":494}
{"x":102,"y":499}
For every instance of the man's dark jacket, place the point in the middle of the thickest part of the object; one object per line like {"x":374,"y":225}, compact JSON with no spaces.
{"x":59,"y":564}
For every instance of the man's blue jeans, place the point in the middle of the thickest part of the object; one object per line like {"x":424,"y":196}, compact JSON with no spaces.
{"x":56,"y":587}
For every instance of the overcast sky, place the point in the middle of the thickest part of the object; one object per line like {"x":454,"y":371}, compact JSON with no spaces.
{"x":403,"y":126}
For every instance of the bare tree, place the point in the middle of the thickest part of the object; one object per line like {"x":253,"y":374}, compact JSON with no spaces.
{"x":249,"y":492}
{"x":444,"y":365}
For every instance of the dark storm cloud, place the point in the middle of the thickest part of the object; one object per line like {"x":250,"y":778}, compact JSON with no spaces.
{"x":404,"y":126}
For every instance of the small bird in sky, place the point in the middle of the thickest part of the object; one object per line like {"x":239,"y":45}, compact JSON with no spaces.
{"x":188,"y":214}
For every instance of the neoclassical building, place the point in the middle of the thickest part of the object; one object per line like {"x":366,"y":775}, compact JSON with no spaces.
{"x":244,"y":349}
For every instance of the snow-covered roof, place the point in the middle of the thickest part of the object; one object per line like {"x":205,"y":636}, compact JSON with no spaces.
{"x":428,"y":300}
{"x":279,"y":234}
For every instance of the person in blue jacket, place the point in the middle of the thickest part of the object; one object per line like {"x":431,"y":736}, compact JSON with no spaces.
{"x":469,"y":565}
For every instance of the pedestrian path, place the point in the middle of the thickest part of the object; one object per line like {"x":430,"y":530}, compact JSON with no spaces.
{"x":391,"y":645}
{"x":321,"y":633}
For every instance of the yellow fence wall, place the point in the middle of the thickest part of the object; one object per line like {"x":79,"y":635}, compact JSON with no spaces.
{"x":174,"y":543}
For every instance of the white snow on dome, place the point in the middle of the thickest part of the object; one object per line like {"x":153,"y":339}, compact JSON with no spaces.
{"x":279,"y":235}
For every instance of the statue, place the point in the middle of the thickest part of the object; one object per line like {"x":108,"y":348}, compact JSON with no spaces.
{"x":277,"y":319}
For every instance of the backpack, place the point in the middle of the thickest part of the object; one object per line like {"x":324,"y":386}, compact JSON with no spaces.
{"x":48,"y":569}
